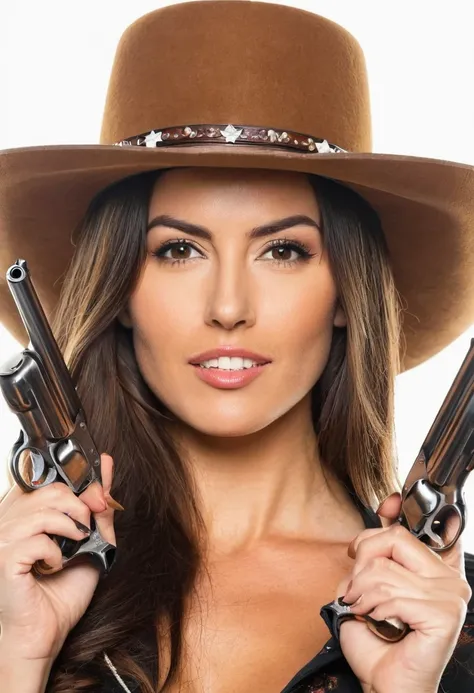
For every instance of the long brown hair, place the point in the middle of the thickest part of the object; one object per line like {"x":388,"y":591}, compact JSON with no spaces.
{"x":158,"y":536}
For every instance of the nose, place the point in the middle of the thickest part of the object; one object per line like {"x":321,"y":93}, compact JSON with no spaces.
{"x":230,"y":301}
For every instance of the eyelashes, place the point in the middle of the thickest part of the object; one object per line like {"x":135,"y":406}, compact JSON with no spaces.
{"x":302,"y":250}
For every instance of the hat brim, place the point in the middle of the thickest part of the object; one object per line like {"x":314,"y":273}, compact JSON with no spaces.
{"x":426,"y":207}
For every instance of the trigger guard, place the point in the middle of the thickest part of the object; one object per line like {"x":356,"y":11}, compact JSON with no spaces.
{"x":334,"y":614}
{"x":51,"y":474}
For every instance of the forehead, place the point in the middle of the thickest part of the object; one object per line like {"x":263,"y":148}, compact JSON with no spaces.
{"x":219,"y":189}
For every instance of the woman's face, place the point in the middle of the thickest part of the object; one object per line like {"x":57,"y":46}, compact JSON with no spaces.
{"x":217,"y":286}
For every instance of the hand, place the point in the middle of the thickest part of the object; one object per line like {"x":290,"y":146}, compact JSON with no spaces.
{"x":36,"y":615}
{"x":400,"y":576}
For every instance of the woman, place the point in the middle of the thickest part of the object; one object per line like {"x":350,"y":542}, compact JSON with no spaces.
{"x":232,"y":320}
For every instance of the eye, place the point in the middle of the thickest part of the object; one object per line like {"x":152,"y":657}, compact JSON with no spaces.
{"x":285,"y":252}
{"x":176,"y":251}
{"x":288,"y":252}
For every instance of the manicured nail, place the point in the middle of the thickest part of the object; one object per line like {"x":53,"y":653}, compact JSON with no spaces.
{"x":83,"y":528}
{"x":348,"y":589}
{"x":350,"y":549}
{"x":44,"y":566}
{"x":114,"y":504}
{"x":351,"y":603}
{"x":395,"y":493}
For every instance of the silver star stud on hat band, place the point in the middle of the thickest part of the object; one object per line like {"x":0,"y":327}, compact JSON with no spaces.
{"x":152,"y":138}
{"x":231,"y":133}
{"x":323,"y":147}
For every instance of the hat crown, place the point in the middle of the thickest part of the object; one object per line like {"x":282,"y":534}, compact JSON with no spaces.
{"x":240,"y":62}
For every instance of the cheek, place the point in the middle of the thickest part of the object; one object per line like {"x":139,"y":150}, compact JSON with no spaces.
{"x":163,"y":321}
{"x":303,"y":319}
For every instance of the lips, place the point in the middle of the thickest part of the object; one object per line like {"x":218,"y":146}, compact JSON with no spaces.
{"x":228,"y":351}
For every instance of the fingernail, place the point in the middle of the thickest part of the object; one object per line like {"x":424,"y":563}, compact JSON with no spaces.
{"x":83,"y":528}
{"x":351,"y":603}
{"x":395,"y":493}
{"x":114,"y":504}
{"x":44,"y":566}
{"x":348,"y":589}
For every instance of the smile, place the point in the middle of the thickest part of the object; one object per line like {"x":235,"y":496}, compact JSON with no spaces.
{"x":232,"y":375}
{"x":226,"y":363}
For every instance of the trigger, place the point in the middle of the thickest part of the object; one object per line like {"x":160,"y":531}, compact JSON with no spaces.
{"x":37,"y":462}
{"x":38,"y":465}
{"x":435,"y":538}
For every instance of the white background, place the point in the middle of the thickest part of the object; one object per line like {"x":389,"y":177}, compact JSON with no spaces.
{"x":55,"y":61}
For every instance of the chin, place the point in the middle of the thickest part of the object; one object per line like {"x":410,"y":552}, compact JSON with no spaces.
{"x":221,"y":426}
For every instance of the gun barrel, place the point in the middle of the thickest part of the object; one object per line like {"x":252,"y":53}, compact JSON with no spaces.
{"x":41,"y":337}
{"x":451,"y":434}
{"x":457,"y":397}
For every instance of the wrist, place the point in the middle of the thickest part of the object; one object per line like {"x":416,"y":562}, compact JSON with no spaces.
{"x":23,"y":675}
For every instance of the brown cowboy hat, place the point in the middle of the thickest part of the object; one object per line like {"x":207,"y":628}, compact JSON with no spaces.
{"x":248,"y":85}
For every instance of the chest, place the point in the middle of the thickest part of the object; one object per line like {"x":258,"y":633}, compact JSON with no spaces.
{"x":254,"y":621}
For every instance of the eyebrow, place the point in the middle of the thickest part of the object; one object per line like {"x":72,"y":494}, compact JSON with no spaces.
{"x":257,"y":232}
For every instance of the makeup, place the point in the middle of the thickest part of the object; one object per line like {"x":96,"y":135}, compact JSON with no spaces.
{"x":228,"y":379}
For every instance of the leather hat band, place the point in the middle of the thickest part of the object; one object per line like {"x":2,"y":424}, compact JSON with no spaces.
{"x":240,"y":134}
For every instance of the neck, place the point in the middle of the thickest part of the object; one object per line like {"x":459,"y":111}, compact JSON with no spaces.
{"x":266,"y":485}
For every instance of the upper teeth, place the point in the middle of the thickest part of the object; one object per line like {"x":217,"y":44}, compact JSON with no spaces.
{"x":228,"y":363}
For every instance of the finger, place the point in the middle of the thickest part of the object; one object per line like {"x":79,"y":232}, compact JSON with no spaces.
{"x":444,"y":619}
{"x":369,"y":600}
{"x":365,"y":534}
{"x":94,"y":495}
{"x":18,"y":558}
{"x":388,"y":579}
{"x":390,"y":508}
{"x":107,"y":471}
{"x":107,"y":475}
{"x":388,"y":511}
{"x":384,"y":574}
{"x":397,"y":543}
{"x":55,"y":496}
{"x":105,"y":518}
{"x":105,"y":524}
{"x":43,"y":521}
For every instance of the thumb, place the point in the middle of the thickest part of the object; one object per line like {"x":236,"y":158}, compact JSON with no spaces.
{"x":105,"y":519}
{"x":390,"y":508}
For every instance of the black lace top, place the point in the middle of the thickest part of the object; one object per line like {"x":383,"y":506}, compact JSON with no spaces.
{"x":329,"y":672}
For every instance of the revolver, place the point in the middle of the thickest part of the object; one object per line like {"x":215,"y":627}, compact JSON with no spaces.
{"x":433,"y":507}
{"x":54,"y":443}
